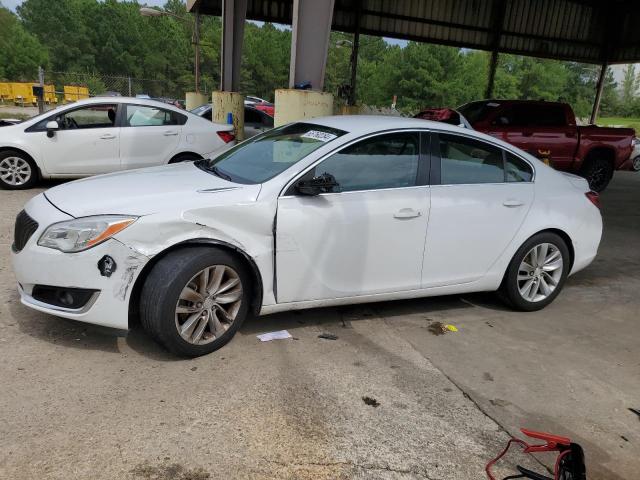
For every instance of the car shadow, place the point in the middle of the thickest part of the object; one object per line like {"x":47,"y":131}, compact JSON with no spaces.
{"x":341,"y":317}
{"x":79,"y":335}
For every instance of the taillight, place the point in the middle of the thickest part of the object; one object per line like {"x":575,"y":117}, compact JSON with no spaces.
{"x":594,"y":197}
{"x":226,"y":136}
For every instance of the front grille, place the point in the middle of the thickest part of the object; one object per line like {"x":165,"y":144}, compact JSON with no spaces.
{"x":24,"y":228}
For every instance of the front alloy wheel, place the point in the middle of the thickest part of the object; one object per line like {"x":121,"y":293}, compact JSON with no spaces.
{"x":209,"y":304}
{"x":17,"y":171}
{"x":195,"y":299}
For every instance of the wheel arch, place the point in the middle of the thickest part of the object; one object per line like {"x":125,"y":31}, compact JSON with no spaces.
{"x":134,"y":300}
{"x":196,"y":156}
{"x":601,"y":151}
{"x":24,"y":152}
{"x":561,"y":233}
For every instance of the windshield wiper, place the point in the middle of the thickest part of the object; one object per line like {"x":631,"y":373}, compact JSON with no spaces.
{"x":220,"y":173}
{"x":205,"y":165}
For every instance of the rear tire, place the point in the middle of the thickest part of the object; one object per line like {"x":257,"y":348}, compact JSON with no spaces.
{"x":18,"y":171}
{"x":195,"y":300}
{"x":537,"y":273}
{"x":598,"y":172}
{"x":635,"y":163}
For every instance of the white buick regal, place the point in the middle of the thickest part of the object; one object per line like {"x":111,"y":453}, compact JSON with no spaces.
{"x":329,"y":211}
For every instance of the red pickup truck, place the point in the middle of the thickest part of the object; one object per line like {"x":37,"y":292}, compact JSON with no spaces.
{"x":548,"y":130}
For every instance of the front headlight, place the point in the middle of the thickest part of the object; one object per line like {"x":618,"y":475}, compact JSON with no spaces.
{"x":83,"y":233}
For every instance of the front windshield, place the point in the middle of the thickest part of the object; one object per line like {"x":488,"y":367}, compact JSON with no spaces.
{"x":267,"y":155}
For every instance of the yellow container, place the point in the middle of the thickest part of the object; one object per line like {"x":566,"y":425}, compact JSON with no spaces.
{"x":23,"y":94}
{"x":50,"y":94}
{"x":73,"y":93}
{"x":6,"y":93}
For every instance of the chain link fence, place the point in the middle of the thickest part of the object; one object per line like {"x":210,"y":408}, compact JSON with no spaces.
{"x":99,"y":84}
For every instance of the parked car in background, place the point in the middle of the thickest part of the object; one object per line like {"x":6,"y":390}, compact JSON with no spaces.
{"x":251,"y":100}
{"x":444,"y":115}
{"x":102,"y":135}
{"x":5,"y":122}
{"x":261,"y":104}
{"x":548,"y":130}
{"x":255,"y":121}
{"x":329,"y":211}
{"x":634,"y":158}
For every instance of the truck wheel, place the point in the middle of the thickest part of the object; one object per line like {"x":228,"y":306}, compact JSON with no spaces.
{"x":598,"y":172}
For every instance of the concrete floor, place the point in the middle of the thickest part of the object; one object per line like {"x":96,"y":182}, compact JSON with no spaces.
{"x":80,"y":401}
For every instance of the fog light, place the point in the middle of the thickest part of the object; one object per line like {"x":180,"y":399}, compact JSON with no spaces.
{"x":66,"y":297}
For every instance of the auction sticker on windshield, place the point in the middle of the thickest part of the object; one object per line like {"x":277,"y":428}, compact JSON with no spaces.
{"x":318,"y":135}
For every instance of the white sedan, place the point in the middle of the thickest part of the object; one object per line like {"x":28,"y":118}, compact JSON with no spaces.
{"x":103,"y":135}
{"x":329,"y":211}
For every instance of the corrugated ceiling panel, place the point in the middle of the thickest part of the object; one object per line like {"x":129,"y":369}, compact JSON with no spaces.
{"x":581,"y":30}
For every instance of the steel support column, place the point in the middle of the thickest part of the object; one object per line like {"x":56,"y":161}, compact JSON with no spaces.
{"x":234,"y":13}
{"x":493,"y":64}
{"x":311,"y":28}
{"x":599,"y":88}
{"x":354,"y":55}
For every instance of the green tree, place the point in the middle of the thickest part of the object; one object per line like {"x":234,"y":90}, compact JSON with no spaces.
{"x":21,"y":51}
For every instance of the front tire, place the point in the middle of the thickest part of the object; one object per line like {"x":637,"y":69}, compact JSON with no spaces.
{"x":18,"y":171}
{"x":195,"y":300}
{"x":635,"y":163}
{"x":537,"y":272}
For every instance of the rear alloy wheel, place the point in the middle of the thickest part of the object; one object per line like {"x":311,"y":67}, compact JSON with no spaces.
{"x":195,"y":299}
{"x":537,"y":272}
{"x":17,"y":171}
{"x":635,"y":163}
{"x":598,"y":172}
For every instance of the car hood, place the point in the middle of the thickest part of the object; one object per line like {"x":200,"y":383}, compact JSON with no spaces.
{"x":148,"y":190}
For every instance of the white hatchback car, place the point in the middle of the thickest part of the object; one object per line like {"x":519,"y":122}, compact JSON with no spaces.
{"x":102,"y":135}
{"x":329,"y":211}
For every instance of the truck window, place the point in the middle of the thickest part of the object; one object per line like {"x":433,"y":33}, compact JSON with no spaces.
{"x":532,"y":115}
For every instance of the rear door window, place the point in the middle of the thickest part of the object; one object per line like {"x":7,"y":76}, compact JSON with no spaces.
{"x":467,"y":161}
{"x":516,"y":169}
{"x":150,"y":116}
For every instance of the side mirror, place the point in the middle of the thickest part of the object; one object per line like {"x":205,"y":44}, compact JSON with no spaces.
{"x":52,"y":126}
{"x":324,"y":183}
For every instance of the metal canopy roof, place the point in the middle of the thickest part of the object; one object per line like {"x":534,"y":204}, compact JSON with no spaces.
{"x":592,"y":31}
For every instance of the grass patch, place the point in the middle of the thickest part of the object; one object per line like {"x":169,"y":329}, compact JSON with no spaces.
{"x":630,"y":122}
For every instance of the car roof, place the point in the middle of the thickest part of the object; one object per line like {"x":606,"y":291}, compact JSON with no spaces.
{"x":362,"y":124}
{"x":137,"y":101}
{"x":365,"y":124}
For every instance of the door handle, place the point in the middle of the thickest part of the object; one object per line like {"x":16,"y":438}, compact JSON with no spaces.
{"x":107,"y":136}
{"x":511,"y":203}
{"x":170,"y":133}
{"x":407,"y":213}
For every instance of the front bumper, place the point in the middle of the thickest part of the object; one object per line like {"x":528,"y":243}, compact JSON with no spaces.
{"x":35,"y":265}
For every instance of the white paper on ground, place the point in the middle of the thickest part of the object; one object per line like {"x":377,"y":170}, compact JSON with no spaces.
{"x":279,"y":335}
